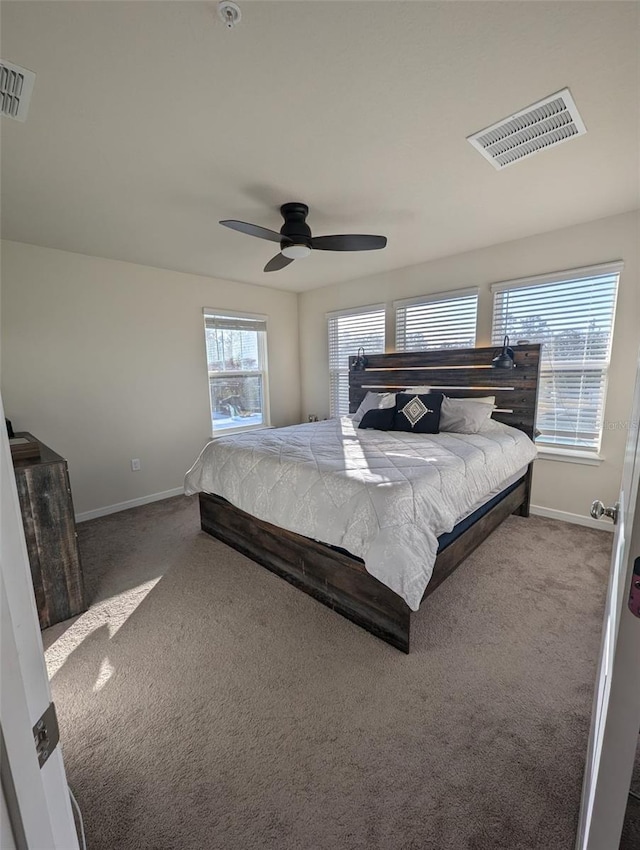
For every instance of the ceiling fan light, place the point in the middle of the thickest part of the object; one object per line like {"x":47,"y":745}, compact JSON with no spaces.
{"x":296,"y":252}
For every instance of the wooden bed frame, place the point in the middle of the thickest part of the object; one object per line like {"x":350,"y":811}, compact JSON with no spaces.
{"x":338,"y":579}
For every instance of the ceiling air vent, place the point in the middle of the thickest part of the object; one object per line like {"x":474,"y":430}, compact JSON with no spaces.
{"x":542,"y":125}
{"x":16,"y":85}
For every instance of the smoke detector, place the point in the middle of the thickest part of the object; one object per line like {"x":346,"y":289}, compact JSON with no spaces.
{"x":16,"y":85}
{"x":229,"y":13}
{"x":544,"y":124}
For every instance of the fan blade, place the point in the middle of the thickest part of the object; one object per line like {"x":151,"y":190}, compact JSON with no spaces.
{"x":277,"y":263}
{"x":349,"y":242}
{"x":253,"y":230}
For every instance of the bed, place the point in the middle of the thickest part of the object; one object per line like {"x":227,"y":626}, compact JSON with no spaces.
{"x":370,"y":522}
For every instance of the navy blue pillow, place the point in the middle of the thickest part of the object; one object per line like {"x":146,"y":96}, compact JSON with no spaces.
{"x":380,"y":419}
{"x":419,"y":414}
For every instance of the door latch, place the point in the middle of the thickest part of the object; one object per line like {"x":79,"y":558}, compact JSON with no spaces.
{"x":634,"y":595}
{"x":598,"y":510}
{"x":46,"y":734}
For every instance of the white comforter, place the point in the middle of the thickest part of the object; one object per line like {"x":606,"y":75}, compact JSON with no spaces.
{"x":385,"y":496}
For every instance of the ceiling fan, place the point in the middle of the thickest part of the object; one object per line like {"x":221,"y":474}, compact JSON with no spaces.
{"x":296,"y":240}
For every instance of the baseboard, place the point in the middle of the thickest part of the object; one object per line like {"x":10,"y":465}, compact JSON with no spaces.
{"x":131,"y":503}
{"x":576,"y":519}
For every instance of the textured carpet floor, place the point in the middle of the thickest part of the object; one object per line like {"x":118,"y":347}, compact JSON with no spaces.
{"x":205,"y":703}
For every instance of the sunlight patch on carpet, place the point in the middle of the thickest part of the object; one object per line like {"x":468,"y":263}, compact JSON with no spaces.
{"x":106,"y":672}
{"x":112,"y":613}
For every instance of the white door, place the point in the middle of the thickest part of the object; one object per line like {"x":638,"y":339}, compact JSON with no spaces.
{"x":616,"y":711}
{"x":35,"y":800}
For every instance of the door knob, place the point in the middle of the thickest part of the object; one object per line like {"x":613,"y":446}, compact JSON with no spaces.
{"x":598,"y":510}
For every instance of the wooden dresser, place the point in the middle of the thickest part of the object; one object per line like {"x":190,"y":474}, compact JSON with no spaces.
{"x":50,"y":531}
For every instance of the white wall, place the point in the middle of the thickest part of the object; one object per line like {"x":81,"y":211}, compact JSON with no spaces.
{"x":558,"y":486}
{"x":105,"y":361}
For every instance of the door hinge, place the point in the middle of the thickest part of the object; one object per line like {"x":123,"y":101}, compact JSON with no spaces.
{"x":46,"y":734}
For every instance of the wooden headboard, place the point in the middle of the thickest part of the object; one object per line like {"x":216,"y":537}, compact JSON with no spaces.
{"x":457,"y":372}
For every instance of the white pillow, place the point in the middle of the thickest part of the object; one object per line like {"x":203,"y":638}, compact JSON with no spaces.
{"x":418,"y":390}
{"x":488,"y":399}
{"x":374,"y":401}
{"x":387,"y":400}
{"x":464,"y":416}
{"x":492,"y":425}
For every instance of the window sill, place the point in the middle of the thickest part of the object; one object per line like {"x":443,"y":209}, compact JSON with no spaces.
{"x":570,"y":456}
{"x":229,"y":432}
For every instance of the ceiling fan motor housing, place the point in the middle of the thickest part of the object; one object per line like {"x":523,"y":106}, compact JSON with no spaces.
{"x":295,"y":237}
{"x":295,"y":229}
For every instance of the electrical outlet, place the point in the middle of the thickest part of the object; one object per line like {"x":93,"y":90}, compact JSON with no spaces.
{"x":135,"y":464}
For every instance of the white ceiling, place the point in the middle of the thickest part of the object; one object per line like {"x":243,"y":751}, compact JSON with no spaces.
{"x":150,"y":121}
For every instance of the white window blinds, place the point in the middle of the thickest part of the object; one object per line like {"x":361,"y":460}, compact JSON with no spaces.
{"x":447,"y":320}
{"x":235,"y":323}
{"x":572,"y":315}
{"x":348,"y":331}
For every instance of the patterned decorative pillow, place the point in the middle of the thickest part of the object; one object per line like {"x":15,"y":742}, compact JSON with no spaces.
{"x":419,"y":414}
{"x":381,"y":419}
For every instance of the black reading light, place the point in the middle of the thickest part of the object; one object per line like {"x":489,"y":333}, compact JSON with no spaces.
{"x":359,"y":362}
{"x":504,"y":360}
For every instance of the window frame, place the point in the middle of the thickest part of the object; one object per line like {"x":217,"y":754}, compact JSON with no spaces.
{"x":434,"y":298}
{"x":333,"y":370}
{"x":262,"y":372}
{"x":589,"y":455}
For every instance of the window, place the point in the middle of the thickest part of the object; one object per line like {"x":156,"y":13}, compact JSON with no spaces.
{"x":447,"y":320}
{"x":348,"y":331}
{"x":237,"y":365}
{"x":572,"y":314}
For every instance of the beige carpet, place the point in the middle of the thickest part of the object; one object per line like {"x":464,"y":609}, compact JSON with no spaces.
{"x":205,"y":703}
